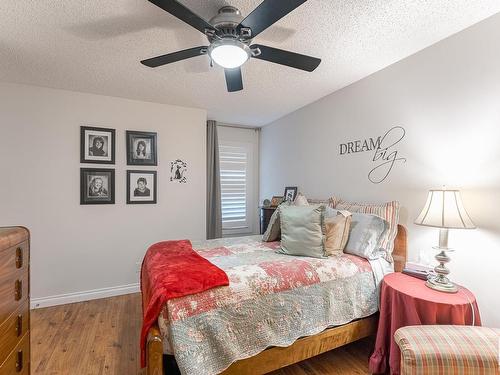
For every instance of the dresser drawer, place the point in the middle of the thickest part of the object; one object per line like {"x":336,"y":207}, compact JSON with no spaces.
{"x":13,"y":329}
{"x":13,"y":259}
{"x":13,"y":293}
{"x":18,"y":361}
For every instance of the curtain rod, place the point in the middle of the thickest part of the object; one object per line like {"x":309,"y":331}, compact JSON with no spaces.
{"x":238,"y":127}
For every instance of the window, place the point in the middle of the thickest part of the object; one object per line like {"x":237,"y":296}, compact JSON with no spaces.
{"x":239,"y":176}
{"x":234,"y":173}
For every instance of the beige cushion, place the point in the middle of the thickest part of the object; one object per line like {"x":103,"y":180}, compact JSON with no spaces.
{"x":273,"y":231}
{"x":337,"y":232}
{"x":302,"y":230}
{"x":388,"y":211}
{"x":301,"y":200}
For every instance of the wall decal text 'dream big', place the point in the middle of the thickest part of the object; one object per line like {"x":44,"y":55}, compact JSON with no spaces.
{"x":383,"y":148}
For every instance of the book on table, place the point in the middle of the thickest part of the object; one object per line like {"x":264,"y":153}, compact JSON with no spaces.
{"x":417,"y":270}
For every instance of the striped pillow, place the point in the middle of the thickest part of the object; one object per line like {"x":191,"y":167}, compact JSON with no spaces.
{"x":330,"y":202}
{"x":388,"y":211}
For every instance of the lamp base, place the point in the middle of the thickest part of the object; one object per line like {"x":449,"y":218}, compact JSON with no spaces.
{"x":441,"y":282}
{"x":441,"y":285}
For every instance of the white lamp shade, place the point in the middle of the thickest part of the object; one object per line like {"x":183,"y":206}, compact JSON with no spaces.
{"x":444,"y":209}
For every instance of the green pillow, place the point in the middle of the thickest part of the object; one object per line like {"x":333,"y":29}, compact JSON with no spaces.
{"x":302,"y":230}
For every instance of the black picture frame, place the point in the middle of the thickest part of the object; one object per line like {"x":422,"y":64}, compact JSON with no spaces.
{"x":133,"y":177}
{"x":91,"y":134}
{"x":149,"y":141}
{"x":90,"y":176}
{"x":293,"y":190}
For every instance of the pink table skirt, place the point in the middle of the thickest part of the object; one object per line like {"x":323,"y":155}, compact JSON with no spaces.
{"x":406,"y":301}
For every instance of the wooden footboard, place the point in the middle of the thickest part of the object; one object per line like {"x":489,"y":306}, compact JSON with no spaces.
{"x":275,"y":358}
{"x":154,"y":351}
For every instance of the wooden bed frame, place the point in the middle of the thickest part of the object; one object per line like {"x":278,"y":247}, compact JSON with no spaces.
{"x":276,"y":357}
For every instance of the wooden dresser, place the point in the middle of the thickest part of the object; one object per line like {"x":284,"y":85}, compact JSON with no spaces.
{"x":14,"y":301}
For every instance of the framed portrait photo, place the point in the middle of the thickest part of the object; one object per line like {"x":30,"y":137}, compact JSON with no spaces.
{"x":276,"y":201}
{"x":290,"y":193}
{"x":141,"y":187}
{"x":97,"y":145}
{"x":141,"y":148}
{"x":97,"y":186}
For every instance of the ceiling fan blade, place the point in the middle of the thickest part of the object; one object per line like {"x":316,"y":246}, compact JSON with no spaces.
{"x":234,"y":81}
{"x":175,"y":56}
{"x":178,"y":10}
{"x":267,"y":13}
{"x":292,"y":59}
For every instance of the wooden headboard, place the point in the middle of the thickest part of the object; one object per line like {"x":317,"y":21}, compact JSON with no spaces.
{"x":400,"y":248}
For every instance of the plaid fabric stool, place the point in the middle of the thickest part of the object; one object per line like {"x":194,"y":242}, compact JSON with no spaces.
{"x":440,"y":349}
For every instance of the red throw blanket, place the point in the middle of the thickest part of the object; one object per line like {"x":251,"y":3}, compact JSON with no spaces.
{"x":172,"y":269}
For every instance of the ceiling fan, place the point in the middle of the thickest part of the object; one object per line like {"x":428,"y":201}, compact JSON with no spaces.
{"x":230,"y":36}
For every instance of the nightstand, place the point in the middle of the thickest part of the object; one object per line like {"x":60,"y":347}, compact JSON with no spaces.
{"x":265,"y":216}
{"x":407,"y":301}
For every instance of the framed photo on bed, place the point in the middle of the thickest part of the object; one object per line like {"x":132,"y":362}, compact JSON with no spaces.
{"x":141,"y":187}
{"x":141,"y":148}
{"x":97,"y":145}
{"x":97,"y":186}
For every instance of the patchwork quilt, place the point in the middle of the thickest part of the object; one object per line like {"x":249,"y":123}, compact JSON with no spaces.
{"x":272,"y":300}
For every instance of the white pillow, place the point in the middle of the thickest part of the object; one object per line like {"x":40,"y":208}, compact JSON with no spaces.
{"x":365,"y":234}
{"x":388,"y":211}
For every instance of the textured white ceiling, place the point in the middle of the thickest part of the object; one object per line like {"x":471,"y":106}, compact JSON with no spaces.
{"x":95,"y":46}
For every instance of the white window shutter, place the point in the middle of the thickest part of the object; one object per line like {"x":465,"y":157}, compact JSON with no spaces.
{"x":233,"y":161}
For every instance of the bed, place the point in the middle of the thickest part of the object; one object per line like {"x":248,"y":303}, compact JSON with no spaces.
{"x":264,"y":321}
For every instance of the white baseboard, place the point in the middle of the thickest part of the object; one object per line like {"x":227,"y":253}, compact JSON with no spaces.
{"x":62,"y":299}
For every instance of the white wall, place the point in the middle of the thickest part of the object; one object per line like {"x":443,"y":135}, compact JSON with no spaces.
{"x":447,"y":97}
{"x":250,"y":136}
{"x":79,"y":248}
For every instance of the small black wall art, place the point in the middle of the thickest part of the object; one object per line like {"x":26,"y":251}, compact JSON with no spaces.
{"x":178,"y":171}
{"x":97,"y":145}
{"x":141,"y":148}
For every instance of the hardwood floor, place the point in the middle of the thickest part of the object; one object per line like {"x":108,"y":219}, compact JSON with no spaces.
{"x":87,"y":338}
{"x":102,"y":337}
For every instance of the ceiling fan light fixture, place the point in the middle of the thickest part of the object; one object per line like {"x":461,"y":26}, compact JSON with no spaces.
{"x":230,"y":38}
{"x":229,"y":53}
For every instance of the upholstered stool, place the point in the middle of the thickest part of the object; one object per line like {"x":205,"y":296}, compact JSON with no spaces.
{"x":441,"y":349}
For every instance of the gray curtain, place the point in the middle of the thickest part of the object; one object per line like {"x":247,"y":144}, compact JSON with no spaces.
{"x":214,"y":211}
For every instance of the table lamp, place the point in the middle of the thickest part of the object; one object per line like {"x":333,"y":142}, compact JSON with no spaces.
{"x":444,"y":210}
